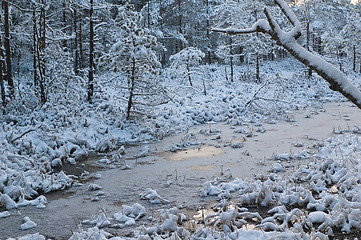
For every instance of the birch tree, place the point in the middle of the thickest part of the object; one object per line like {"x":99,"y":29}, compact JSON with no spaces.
{"x":288,"y":40}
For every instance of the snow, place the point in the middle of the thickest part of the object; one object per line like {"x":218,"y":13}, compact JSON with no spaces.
{"x":33,"y":164}
{"x":35,"y":236}
{"x":4,"y":214}
{"x":28,"y":224}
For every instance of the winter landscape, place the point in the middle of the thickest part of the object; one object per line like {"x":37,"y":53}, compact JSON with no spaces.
{"x":180,"y":119}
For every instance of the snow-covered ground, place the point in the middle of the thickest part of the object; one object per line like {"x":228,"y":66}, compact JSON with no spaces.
{"x":36,"y":147}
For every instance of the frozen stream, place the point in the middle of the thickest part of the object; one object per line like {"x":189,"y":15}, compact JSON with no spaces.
{"x":178,"y":177}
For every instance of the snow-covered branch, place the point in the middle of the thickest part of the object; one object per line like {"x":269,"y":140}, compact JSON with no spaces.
{"x":260,"y":26}
{"x":288,"y":40}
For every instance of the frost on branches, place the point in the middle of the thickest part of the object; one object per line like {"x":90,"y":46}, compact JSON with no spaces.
{"x":133,"y":54}
{"x":288,"y":40}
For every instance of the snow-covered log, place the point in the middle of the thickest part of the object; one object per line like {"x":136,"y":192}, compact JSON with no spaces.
{"x":288,"y":40}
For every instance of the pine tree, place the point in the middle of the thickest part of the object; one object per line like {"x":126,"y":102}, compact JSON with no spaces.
{"x":133,"y":54}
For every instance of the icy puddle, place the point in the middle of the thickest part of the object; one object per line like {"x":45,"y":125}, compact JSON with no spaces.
{"x":222,"y":151}
{"x":204,"y":151}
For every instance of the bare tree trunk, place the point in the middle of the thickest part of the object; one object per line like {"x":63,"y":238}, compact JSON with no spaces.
{"x":231,"y":57}
{"x":81,"y":52}
{"x":180,"y":16}
{"x":148,"y":11}
{"x":288,"y":40}
{"x":189,"y":74}
{"x":208,"y":34}
{"x":76,"y":57}
{"x":354,"y":58}
{"x":258,"y":79}
{"x":2,"y":84}
{"x":41,"y":52}
{"x":131,"y":90}
{"x":91,"y":54}
{"x":64,"y":24}
{"x":225,"y":73}
{"x":7,"y":45}
{"x":180,"y":23}
{"x":338,"y":57}
{"x":35,"y":51}
{"x":308,"y":44}
{"x":204,"y":87}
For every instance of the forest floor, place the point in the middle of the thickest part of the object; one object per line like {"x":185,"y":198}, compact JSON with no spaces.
{"x":204,"y":152}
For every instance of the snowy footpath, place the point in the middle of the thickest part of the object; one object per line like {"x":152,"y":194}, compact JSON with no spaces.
{"x":295,"y":179}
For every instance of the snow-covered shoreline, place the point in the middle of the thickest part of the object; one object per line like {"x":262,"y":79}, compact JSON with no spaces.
{"x":34,"y":147}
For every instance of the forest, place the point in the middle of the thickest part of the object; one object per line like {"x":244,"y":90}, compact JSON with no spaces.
{"x":92,"y":86}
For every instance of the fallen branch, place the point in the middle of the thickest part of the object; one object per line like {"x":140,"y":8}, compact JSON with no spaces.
{"x":22,"y":135}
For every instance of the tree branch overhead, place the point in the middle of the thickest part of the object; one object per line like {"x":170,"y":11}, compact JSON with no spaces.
{"x":288,"y":40}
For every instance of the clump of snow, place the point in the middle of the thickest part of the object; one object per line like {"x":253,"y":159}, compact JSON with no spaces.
{"x":94,"y":187}
{"x":4,"y":214}
{"x":6,"y":201}
{"x":152,"y":196}
{"x":130,"y":214}
{"x":277,"y":167}
{"x":92,"y":233}
{"x":28,"y":224}
{"x":327,"y":193}
{"x":35,"y":236}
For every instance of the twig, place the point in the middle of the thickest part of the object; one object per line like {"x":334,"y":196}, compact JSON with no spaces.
{"x":254,"y":96}
{"x":17,"y":138}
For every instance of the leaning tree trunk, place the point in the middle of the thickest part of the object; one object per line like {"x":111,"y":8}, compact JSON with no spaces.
{"x":288,"y":40}
{"x":91,"y":54}
{"x":7,"y":45}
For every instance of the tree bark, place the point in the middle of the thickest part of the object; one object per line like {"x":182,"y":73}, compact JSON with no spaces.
{"x":180,"y":23}
{"x":131,"y":90}
{"x":7,"y":45}
{"x":354,"y":58}
{"x":258,"y":79}
{"x":288,"y":40}
{"x":189,"y":74}
{"x":180,"y":16}
{"x":308,"y":44}
{"x":148,"y":11}
{"x":91,"y":54}
{"x":35,"y":51}
{"x":209,"y":58}
{"x":41,"y":52}
{"x":2,"y":84}
{"x":64,"y":24}
{"x":81,"y":52}
{"x":231,"y":57}
{"x":76,"y":57}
